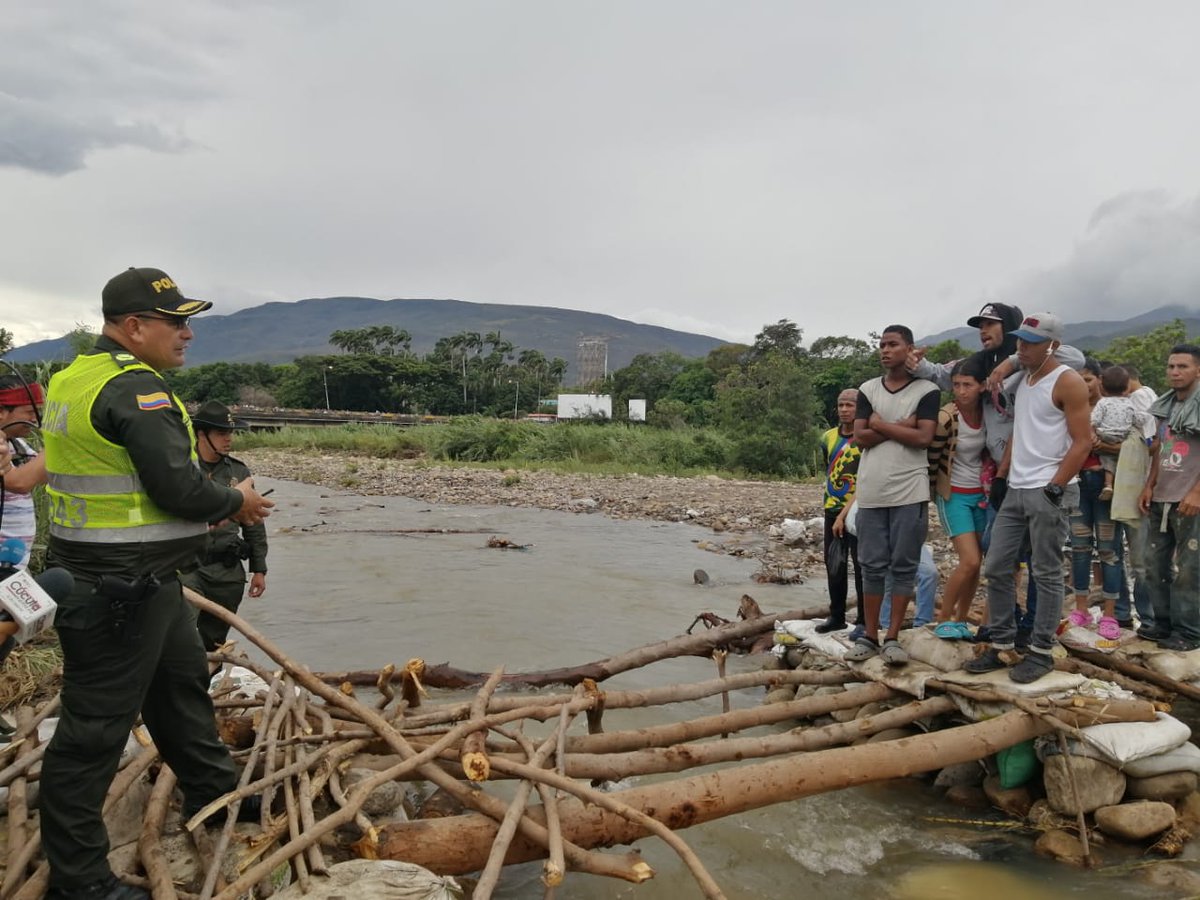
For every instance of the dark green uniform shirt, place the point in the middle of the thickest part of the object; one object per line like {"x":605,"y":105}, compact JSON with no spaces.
{"x":224,"y":540}
{"x":159,"y":445}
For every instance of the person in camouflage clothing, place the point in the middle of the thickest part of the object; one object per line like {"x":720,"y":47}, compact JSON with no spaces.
{"x":221,"y":576}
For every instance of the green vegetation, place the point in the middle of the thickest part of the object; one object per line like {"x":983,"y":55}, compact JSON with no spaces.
{"x":567,"y":446}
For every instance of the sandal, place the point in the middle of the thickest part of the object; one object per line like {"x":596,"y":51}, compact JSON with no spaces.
{"x":1109,"y":629}
{"x":1080,"y":618}
{"x":948,"y":631}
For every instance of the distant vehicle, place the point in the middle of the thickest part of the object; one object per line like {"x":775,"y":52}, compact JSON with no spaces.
{"x":542,"y":418}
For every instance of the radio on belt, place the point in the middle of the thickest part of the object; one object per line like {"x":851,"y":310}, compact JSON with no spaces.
{"x":30,"y":607}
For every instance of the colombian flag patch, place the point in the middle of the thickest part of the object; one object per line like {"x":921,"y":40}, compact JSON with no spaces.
{"x":153,"y":401}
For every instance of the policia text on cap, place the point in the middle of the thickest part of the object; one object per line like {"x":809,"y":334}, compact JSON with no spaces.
{"x":128,"y":510}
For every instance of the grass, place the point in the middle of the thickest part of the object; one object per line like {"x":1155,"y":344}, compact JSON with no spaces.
{"x":566,"y":447}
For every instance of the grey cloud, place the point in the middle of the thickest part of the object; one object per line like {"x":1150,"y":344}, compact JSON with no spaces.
{"x":1140,"y":250}
{"x":34,"y":137}
{"x":84,"y":76}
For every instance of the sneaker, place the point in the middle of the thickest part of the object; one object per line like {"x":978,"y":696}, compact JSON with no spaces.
{"x":1126,"y":624}
{"x":1178,"y":644}
{"x":830,"y":625}
{"x":1080,"y":618}
{"x":864,"y":648}
{"x":1109,"y":628}
{"x":1105,"y":495}
{"x":988,"y":661}
{"x":1153,"y":634}
{"x":1032,"y":667}
{"x":110,"y":888}
{"x":892,"y":653}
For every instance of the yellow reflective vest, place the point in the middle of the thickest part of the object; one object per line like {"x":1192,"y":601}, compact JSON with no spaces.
{"x":93,"y":487}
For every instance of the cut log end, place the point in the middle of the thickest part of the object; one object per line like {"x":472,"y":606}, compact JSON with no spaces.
{"x":552,"y":875}
{"x":476,"y":767}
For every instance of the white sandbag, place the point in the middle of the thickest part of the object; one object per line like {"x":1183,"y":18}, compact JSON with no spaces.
{"x":244,"y":683}
{"x":1124,"y":742}
{"x":1081,"y":638}
{"x":1172,"y":663}
{"x":804,"y":631}
{"x":1184,"y":758}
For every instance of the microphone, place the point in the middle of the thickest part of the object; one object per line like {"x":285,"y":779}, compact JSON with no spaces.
{"x":12,"y":554}
{"x":58,"y":583}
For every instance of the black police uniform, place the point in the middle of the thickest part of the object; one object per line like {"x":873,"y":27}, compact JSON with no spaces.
{"x":119,"y":662}
{"x":221,"y":576}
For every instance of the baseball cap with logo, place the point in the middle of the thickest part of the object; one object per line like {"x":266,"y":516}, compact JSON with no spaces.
{"x":1040,"y":327}
{"x":147,"y":290}
{"x":990,"y":311}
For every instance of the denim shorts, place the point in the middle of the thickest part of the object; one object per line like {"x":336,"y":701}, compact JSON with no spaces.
{"x":962,"y":513}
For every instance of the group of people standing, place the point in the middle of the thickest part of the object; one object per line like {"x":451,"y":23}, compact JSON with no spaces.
{"x":1040,"y":445}
{"x":143,"y":498}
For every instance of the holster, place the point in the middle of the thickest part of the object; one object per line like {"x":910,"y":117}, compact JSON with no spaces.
{"x":126,"y":600}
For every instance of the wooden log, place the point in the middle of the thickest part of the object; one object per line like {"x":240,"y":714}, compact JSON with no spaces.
{"x":1132,"y":669}
{"x":459,"y":844}
{"x":446,"y":676}
{"x":18,"y":810}
{"x":474,"y":760}
{"x":149,"y":844}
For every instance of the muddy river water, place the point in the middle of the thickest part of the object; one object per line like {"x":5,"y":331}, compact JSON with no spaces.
{"x":347,"y":591}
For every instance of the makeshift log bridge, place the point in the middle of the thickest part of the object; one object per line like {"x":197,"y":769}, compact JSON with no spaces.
{"x":321,"y":758}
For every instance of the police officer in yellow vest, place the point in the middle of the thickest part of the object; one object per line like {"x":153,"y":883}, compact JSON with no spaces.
{"x":222,"y":574}
{"x":129,"y":509}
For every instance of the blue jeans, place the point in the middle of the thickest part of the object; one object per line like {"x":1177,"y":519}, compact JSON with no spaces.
{"x":927,"y":577}
{"x":1092,"y":526}
{"x":1138,"y":534}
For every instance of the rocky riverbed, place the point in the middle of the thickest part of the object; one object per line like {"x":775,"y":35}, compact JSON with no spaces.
{"x":738,"y":516}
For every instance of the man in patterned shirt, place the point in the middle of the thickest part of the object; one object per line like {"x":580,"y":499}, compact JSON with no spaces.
{"x":840,"y":456}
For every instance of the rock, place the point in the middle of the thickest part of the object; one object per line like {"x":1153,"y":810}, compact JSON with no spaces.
{"x":1099,"y":784}
{"x":1169,"y":786}
{"x":873,"y":709}
{"x":719,"y":525}
{"x":1189,"y":812}
{"x":785,"y":694}
{"x":1061,"y":845}
{"x":124,"y":820}
{"x":969,"y":796}
{"x":366,"y":879}
{"x":1179,"y":880}
{"x":1044,"y":818}
{"x":968,"y":773}
{"x":380,"y":802}
{"x":891,"y":734}
{"x":700,"y":577}
{"x":1014,"y":801}
{"x":1137,"y":821}
{"x":794,"y":657}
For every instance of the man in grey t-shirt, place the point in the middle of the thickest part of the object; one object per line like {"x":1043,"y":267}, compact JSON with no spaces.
{"x":894,"y":424}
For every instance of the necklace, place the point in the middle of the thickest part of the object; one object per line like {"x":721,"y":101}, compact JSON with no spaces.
{"x":1033,"y":376}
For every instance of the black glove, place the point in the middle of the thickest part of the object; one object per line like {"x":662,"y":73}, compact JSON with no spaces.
{"x":999,"y":489}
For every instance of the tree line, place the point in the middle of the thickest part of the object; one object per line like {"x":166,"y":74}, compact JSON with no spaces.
{"x":769,"y":399}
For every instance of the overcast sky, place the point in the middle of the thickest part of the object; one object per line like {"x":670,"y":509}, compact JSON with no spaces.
{"x":709,"y":166}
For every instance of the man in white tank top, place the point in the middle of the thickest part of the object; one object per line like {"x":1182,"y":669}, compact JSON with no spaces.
{"x":1051,"y":438}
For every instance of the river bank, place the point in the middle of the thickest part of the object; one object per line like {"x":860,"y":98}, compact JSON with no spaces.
{"x":740,"y":514}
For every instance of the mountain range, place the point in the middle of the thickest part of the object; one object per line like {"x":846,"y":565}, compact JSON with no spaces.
{"x":1092,"y":334}
{"x":280,"y":332}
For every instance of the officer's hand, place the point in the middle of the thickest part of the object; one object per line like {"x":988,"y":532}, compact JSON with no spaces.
{"x":255,"y":507}
{"x":258,"y":584}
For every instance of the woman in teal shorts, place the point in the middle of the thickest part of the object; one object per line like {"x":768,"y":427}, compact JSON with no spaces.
{"x":958,"y":467}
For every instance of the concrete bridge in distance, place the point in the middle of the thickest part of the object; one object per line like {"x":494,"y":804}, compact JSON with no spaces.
{"x":260,"y":419}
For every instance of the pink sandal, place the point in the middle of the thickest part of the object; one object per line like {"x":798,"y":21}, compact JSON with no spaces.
{"x":1080,"y":618}
{"x":1109,"y":629}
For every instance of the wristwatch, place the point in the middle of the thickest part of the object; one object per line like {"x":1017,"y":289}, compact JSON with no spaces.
{"x":1054,"y":492}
